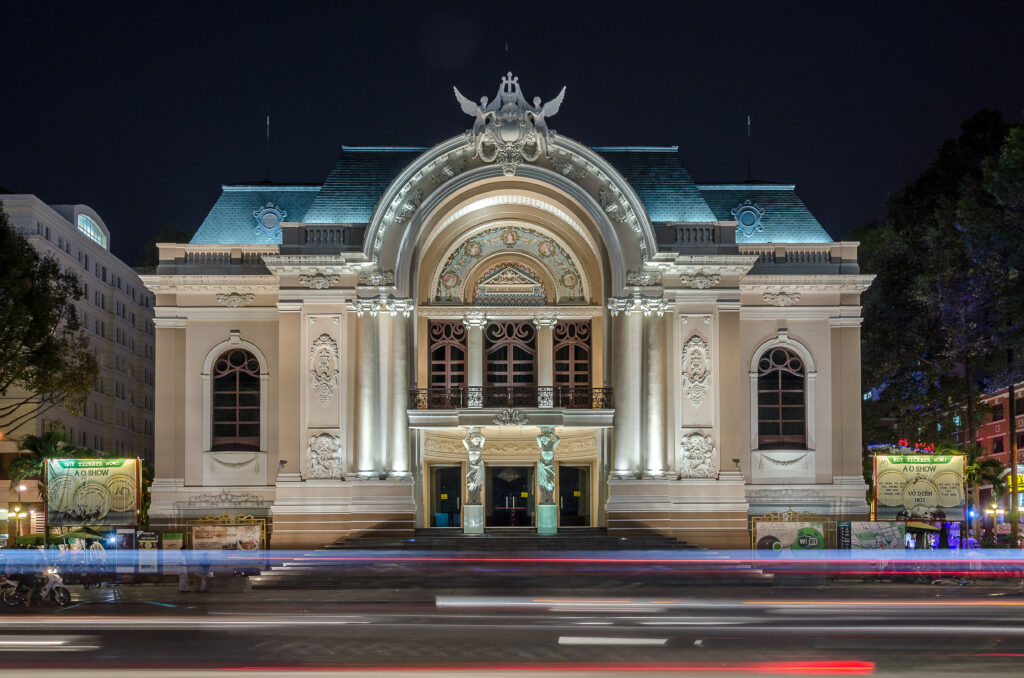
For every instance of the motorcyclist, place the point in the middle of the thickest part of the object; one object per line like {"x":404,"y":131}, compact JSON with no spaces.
{"x":23,"y":571}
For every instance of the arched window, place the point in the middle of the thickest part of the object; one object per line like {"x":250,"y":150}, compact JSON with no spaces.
{"x":781,"y":404}
{"x":236,"y":401}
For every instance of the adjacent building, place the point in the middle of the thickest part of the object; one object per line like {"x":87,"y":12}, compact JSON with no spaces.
{"x":509,"y":329}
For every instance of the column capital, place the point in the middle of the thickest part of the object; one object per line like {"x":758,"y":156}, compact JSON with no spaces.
{"x":638,"y":302}
{"x":477,"y":319}
{"x":617,"y":305}
{"x":399,"y":305}
{"x":655,"y":305}
{"x":545,"y":319}
{"x":368,"y":305}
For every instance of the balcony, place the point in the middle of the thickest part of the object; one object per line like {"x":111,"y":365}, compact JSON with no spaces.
{"x":477,"y":397}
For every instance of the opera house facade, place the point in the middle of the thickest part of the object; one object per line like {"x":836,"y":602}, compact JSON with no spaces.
{"x":507,"y":330}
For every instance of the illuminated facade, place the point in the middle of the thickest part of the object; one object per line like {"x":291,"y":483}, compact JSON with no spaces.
{"x":509,"y":329}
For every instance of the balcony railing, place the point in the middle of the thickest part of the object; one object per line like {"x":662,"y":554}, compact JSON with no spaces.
{"x":566,"y":397}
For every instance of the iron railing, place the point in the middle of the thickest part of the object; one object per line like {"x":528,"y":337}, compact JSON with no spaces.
{"x":566,"y":397}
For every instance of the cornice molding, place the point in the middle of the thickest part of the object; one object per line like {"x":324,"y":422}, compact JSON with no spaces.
{"x":210,"y":283}
{"x":840,"y":282}
{"x":508,"y":312}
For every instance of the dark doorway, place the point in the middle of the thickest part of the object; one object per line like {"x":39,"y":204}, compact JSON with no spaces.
{"x":573,"y":496}
{"x":447,"y":496}
{"x":510,"y":501}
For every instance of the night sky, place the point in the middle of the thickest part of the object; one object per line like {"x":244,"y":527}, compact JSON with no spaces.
{"x":143,"y":110}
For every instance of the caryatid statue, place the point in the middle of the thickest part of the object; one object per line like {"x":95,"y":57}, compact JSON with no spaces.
{"x":474,"y":443}
{"x":547,"y":441}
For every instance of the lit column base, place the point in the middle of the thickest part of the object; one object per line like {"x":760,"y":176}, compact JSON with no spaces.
{"x":473,"y":519}
{"x":547,"y":519}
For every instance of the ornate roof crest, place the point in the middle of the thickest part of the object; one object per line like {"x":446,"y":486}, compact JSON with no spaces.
{"x":508,"y":130}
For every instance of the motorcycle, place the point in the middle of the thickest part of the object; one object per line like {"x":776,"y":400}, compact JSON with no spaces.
{"x":49,"y":587}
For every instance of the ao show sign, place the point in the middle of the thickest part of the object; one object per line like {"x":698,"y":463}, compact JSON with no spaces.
{"x":928,"y":487}
{"x":93,"y":492}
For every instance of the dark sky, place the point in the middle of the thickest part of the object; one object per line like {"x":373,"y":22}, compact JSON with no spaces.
{"x":143,"y":110}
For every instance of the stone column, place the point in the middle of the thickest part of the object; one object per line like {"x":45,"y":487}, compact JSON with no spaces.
{"x":547,"y":509}
{"x":475,"y":323}
{"x":368,"y":421}
{"x":626,"y":378}
{"x":654,"y":309}
{"x":730,"y":374}
{"x":289,"y":392}
{"x":473,"y":508}
{"x":398,"y":424}
{"x":545,"y":359}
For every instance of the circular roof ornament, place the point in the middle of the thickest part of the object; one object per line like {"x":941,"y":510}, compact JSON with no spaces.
{"x":268,"y":219}
{"x":748,"y":217}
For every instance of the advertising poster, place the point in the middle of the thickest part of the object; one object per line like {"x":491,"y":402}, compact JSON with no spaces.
{"x":149,"y":551}
{"x":225,"y":537}
{"x":790,"y":536}
{"x":854,"y":536}
{"x":925,"y":487}
{"x":92,"y":492}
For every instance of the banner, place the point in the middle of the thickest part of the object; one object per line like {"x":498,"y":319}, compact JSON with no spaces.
{"x":870,"y":535}
{"x":92,"y":492}
{"x":149,"y":551}
{"x":919,"y":487}
{"x":794,"y":536}
{"x":226,"y":537}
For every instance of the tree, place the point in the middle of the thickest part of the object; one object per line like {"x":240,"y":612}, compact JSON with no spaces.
{"x":980,"y":471}
{"x":150,"y":258}
{"x":44,"y":351}
{"x":35,"y":450}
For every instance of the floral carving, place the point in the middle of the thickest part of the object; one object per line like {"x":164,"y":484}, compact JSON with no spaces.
{"x":510,"y":417}
{"x":377,"y":278}
{"x":780,"y":298}
{"x":696,"y":456}
{"x":323,"y":367}
{"x":236,"y":299}
{"x":613,"y":205}
{"x":696,"y":369}
{"x":319,"y":281}
{"x":324,"y":457}
{"x":700,"y":280}
{"x":644,"y":278}
{"x":408,"y":207}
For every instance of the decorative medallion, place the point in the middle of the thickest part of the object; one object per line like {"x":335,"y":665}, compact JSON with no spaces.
{"x":570,"y":280}
{"x":473,"y":249}
{"x":510,"y":417}
{"x":450,"y":280}
{"x":696,"y":456}
{"x":510,"y":237}
{"x":268,"y":220}
{"x":700,"y":280}
{"x":546,"y":248}
{"x":780,"y":298}
{"x":235,"y":299}
{"x":696,"y":369}
{"x":509,"y":131}
{"x":319,"y":281}
{"x":748,"y":217}
{"x":324,"y":457}
{"x":323,"y":367}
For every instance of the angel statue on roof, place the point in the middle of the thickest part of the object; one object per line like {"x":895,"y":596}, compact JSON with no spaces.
{"x":482,"y":112}
{"x":537,"y":115}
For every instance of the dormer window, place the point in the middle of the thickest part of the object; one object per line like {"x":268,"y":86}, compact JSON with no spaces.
{"x":88,"y":226}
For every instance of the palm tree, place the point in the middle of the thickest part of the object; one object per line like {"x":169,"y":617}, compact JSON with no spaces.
{"x":34,"y":451}
{"x":980,"y":471}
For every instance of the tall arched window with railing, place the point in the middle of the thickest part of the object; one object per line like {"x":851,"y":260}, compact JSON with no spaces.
{"x":781,"y":401}
{"x":236,"y":401}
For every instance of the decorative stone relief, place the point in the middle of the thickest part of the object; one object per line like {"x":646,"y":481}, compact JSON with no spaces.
{"x":268,"y":220}
{"x":617,"y":305}
{"x":644,"y":278}
{"x":510,"y":417}
{"x":748,"y":217}
{"x":225,"y":497}
{"x":569,"y":448}
{"x":474,"y":443}
{"x":780,"y":298}
{"x":235,"y":299}
{"x":323,"y":367}
{"x":614,"y":205}
{"x":655,"y":305}
{"x":699,"y":280}
{"x":696,"y":456}
{"x":236,"y":465}
{"x":547,"y":441}
{"x":319,"y":281}
{"x":696,"y":369}
{"x":324,"y":457}
{"x":567,"y":168}
{"x":408,"y":206}
{"x":509,"y":131}
{"x":448,"y":171}
{"x":376,"y":278}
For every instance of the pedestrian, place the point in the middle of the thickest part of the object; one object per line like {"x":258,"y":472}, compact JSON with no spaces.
{"x":205,"y":570}
{"x":182,"y":572}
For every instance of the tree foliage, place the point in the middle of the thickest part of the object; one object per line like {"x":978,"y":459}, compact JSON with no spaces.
{"x":44,"y":351}
{"x":150,"y":258}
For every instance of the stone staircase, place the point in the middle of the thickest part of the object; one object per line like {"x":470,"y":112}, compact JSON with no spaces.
{"x":505,"y":560}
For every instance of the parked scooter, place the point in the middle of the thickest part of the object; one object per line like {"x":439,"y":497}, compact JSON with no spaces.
{"x":48,"y":587}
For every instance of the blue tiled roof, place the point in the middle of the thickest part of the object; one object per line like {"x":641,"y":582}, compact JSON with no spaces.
{"x":232,"y":220}
{"x":786,"y":217}
{"x":356,"y":182}
{"x":657,"y":175}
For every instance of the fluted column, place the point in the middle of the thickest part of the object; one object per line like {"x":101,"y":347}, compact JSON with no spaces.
{"x":626,"y":378}
{"x":398,"y":425}
{"x":654,"y":404}
{"x":475,"y":323}
{"x":545,"y":359}
{"x":368,"y":422}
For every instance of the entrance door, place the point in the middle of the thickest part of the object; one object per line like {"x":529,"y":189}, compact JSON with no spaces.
{"x":510,"y":500}
{"x":573,"y":496}
{"x":446,"y":499}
